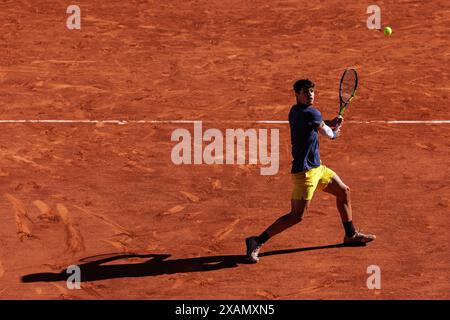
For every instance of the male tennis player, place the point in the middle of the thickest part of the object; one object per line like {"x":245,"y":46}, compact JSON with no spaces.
{"x":308,"y":172}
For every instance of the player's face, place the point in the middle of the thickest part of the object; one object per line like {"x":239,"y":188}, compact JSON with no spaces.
{"x":306,"y":96}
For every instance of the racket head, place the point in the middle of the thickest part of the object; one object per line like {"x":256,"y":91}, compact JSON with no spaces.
{"x":347,"y":88}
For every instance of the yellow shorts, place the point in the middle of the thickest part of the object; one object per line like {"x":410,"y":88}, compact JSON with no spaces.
{"x":306,"y":182}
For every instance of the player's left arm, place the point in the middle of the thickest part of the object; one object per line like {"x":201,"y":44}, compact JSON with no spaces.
{"x":334,"y":123}
{"x":323,"y":127}
{"x":327,"y":131}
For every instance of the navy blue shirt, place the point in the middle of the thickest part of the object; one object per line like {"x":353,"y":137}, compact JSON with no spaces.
{"x":304,"y":122}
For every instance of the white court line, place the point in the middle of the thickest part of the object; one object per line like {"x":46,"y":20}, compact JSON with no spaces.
{"x":123,"y":122}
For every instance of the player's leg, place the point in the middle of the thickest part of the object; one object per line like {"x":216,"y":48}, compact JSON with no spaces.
{"x":254,"y":244}
{"x":305,"y":184}
{"x":343,"y":200}
{"x":341,"y":191}
{"x":298,"y":209}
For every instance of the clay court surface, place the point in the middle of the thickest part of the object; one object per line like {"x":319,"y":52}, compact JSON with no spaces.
{"x":108,"y":198}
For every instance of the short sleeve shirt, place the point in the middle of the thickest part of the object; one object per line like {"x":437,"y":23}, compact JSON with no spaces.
{"x":304,"y":122}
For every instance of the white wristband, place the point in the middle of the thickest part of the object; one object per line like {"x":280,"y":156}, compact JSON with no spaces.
{"x":328,"y":132}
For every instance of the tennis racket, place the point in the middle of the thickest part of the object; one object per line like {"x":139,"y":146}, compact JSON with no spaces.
{"x":347,"y":88}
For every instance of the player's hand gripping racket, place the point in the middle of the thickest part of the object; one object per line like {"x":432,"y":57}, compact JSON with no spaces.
{"x":347,"y":89}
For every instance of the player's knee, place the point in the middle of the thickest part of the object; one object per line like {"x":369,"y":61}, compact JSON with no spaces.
{"x":344,"y":193}
{"x":297,"y":219}
{"x":296,"y":216}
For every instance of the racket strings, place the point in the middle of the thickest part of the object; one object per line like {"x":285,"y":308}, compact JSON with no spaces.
{"x":348,"y":85}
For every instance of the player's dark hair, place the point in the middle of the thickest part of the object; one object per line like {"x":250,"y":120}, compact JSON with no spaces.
{"x":303,"y":83}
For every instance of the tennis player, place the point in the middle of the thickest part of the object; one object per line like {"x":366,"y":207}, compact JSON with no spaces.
{"x":308,"y":172}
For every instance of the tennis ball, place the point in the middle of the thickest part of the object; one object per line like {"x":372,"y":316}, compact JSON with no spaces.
{"x":387,"y":31}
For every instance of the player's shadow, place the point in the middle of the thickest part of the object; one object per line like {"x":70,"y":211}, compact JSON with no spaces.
{"x":96,"y":268}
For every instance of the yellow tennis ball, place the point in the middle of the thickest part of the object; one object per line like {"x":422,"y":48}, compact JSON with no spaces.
{"x":387,"y":31}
